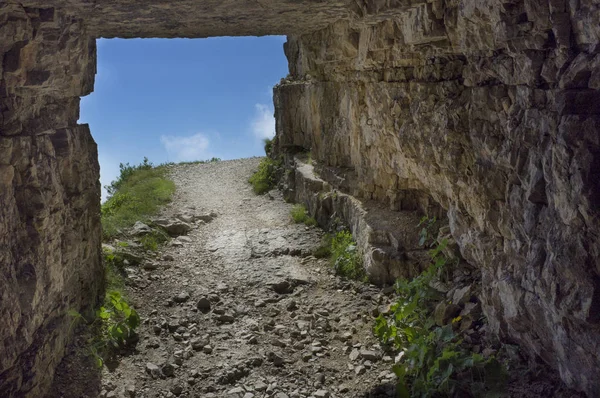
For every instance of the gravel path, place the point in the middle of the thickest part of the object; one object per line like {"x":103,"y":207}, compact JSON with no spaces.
{"x":279,"y":323}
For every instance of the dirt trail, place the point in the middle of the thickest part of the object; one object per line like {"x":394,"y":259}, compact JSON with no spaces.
{"x":279,"y":325}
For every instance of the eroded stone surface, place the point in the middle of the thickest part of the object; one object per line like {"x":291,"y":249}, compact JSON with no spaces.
{"x":489,"y":109}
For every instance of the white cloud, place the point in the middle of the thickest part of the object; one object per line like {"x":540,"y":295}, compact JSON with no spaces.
{"x":189,"y":148}
{"x":263,"y":125}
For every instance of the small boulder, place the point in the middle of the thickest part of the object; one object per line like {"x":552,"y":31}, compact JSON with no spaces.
{"x":150,"y":266}
{"x":275,"y":359}
{"x":139,"y":228}
{"x":168,"y":370}
{"x":225,"y":318}
{"x":153,"y":370}
{"x":174,"y":227}
{"x":369,"y":355}
{"x":203,"y":305}
{"x":206,"y":217}
{"x":129,"y":256}
{"x":181,"y":297}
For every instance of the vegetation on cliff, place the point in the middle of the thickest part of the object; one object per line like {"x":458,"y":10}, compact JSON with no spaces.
{"x":300,"y":215}
{"x":265,"y":177}
{"x":345,"y":258}
{"x":135,"y":195}
{"x":431,"y":360}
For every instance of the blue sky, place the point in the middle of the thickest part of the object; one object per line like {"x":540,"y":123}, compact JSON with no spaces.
{"x":182,"y":99}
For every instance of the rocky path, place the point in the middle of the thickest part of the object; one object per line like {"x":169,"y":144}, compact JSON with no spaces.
{"x":238,"y":307}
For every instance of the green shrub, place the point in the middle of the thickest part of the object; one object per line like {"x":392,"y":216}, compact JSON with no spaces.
{"x":116,"y":321}
{"x":136,"y":195}
{"x":265,"y":178}
{"x":433,"y":362}
{"x":126,"y":171}
{"x":112,"y":259}
{"x":114,"y":327}
{"x":119,"y":321}
{"x":268,"y":145}
{"x":311,"y":222}
{"x":345,"y":256}
{"x":300,"y":215}
{"x":425,"y":235}
{"x":149,"y":242}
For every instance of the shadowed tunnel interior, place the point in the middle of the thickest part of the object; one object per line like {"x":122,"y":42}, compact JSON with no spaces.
{"x":487,"y":110}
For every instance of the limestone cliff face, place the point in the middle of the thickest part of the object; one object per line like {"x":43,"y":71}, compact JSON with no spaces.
{"x":487,"y":109}
{"x":49,"y":190}
{"x":492,"y":108}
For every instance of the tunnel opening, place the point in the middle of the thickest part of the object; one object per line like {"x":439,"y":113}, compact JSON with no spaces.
{"x":182,"y":100}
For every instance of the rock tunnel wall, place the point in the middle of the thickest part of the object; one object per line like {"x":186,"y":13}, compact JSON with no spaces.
{"x":49,"y":190}
{"x":490,"y":107}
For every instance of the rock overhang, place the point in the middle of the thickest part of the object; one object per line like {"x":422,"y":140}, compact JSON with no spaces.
{"x":200,"y":19}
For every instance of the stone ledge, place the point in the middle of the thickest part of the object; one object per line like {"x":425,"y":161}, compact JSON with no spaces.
{"x":388,"y":239}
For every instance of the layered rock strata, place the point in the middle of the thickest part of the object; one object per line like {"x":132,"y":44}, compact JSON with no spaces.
{"x":490,"y":108}
{"x":388,"y":239}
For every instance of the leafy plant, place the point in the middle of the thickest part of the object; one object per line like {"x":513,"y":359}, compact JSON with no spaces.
{"x":119,"y":321}
{"x":112,"y":259}
{"x":432,"y":361}
{"x":345,"y":256}
{"x":265,"y":178}
{"x":300,"y":215}
{"x":115,"y":324}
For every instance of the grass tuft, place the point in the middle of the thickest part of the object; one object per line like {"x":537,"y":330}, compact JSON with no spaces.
{"x":265,"y":178}
{"x":152,"y":240}
{"x":300,"y":215}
